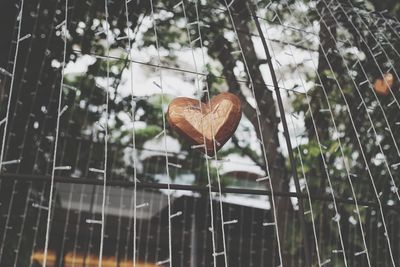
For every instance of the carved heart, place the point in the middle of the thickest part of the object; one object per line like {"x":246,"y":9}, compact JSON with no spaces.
{"x":197,"y":122}
{"x":382,"y":86}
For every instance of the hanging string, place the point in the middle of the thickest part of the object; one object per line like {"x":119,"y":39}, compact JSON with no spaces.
{"x":84,"y":187}
{"x":38,"y":220}
{"x":300,"y":156}
{"x":132,"y":208}
{"x":5,"y":145}
{"x":10,"y":95}
{"x":336,"y":132}
{"x":46,"y":246}
{"x":388,"y":126}
{"x":64,"y":151}
{"x":359,"y":143}
{"x":92,"y":222}
{"x":387,"y":22}
{"x":149,"y":233}
{"x":105,"y":128}
{"x":61,"y":258}
{"x":373,"y":35}
{"x":370,"y":50}
{"x":132,"y":115}
{"x":308,"y":193}
{"x":197,"y":77}
{"x":378,"y":66}
{"x":214,"y":252}
{"x":21,"y":232}
{"x":5,"y":121}
{"x":337,"y":216}
{"x":373,"y":126}
{"x":169,"y":260}
{"x":380,"y":34}
{"x":260,"y":131}
{"x":121,"y":207}
{"x":376,"y":193}
{"x":78,"y":223}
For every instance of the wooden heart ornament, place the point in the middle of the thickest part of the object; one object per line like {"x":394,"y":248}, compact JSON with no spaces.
{"x":383,"y":86}
{"x":199,"y":121}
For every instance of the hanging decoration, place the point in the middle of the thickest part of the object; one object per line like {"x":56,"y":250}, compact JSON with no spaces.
{"x":383,"y":86}
{"x":198,"y":122}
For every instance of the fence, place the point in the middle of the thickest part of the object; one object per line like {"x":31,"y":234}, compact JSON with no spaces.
{"x":91,"y":173}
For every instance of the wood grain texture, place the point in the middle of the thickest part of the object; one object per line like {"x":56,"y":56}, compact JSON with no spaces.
{"x":196,"y":122}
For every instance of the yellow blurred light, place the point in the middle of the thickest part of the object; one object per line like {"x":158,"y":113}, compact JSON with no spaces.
{"x":91,"y":260}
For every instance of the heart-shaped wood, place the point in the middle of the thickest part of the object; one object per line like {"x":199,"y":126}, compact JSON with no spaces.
{"x":198,"y":121}
{"x":383,"y":86}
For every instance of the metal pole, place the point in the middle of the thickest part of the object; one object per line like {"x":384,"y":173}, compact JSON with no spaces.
{"x":286,"y":134}
{"x":194,"y":188}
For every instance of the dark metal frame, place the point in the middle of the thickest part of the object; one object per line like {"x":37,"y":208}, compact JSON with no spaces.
{"x":287,"y":137}
{"x":194,"y":188}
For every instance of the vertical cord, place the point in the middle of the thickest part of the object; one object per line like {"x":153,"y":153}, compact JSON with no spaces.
{"x":361,"y":149}
{"x":164,"y":135}
{"x":11,"y":86}
{"x":343,"y":95}
{"x":373,"y":56}
{"x":204,"y":139}
{"x":303,"y":171}
{"x":38,"y":219}
{"x":338,"y":139}
{"x":25,"y":130}
{"x":132,"y":115}
{"x":287,"y":137}
{"x":46,"y":246}
{"x":260,"y":133}
{"x":369,"y":117}
{"x":5,"y":121}
{"x":103,"y":204}
{"x":308,"y":194}
{"x":21,"y":233}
